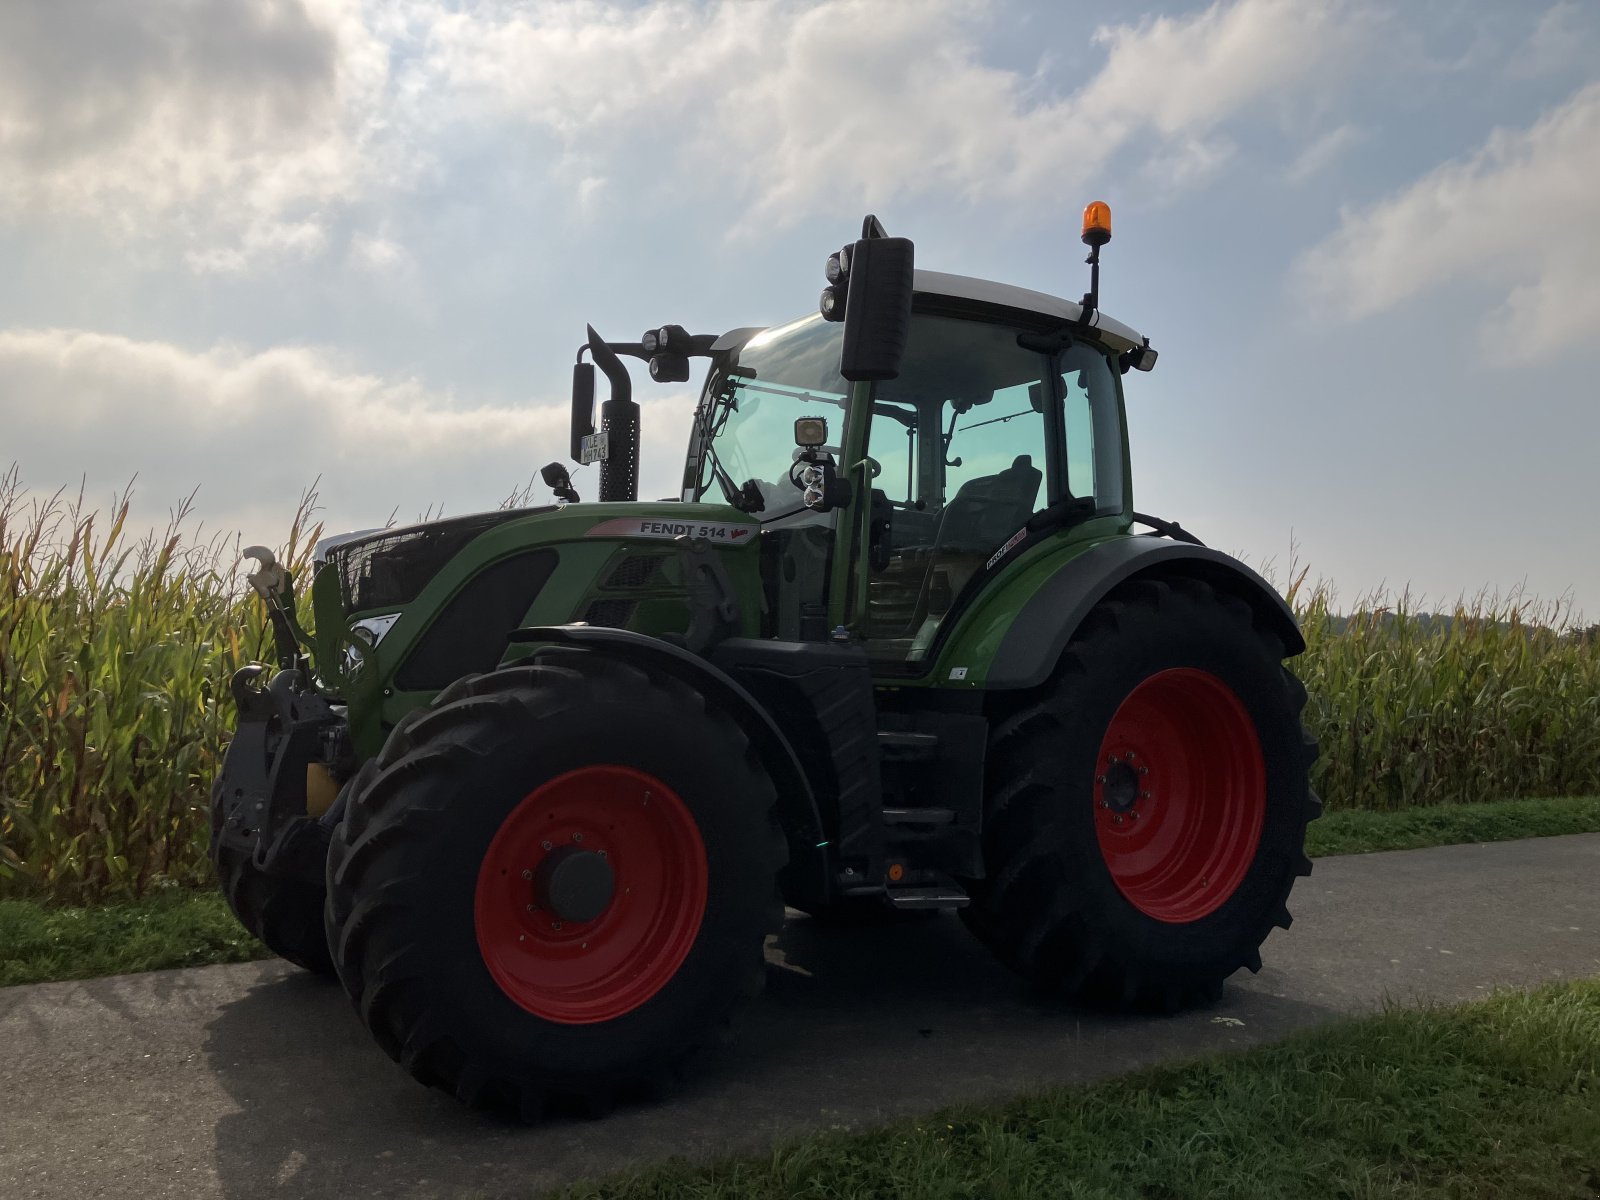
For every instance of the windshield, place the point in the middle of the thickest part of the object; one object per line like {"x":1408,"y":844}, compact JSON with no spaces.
{"x":745,"y":422}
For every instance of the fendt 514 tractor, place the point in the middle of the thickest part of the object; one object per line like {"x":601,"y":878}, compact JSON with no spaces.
{"x":541,"y":782}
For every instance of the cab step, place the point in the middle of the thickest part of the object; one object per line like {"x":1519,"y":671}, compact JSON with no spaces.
{"x":946,"y":897}
{"x":918,"y":816}
{"x":907,"y":745}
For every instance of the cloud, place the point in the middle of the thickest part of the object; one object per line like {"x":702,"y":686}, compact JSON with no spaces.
{"x":253,"y":429}
{"x":243,"y":134}
{"x":1519,"y":214}
{"x":377,"y":253}
{"x":235,"y":127}
{"x":797,"y":105}
{"x":1563,"y":40}
{"x":1322,"y":153}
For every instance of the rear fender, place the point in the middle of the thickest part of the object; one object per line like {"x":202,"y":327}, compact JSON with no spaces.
{"x":808,"y":875}
{"x":1032,"y":646}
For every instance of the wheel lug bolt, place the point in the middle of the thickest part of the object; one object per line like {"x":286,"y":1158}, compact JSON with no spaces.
{"x":555,"y":924}
{"x":1100,"y":779}
{"x":546,"y":845}
{"x":527,"y":874}
{"x":1144,"y":770}
{"x":533,"y":908}
{"x":1144,"y":795}
{"x":577,"y":837}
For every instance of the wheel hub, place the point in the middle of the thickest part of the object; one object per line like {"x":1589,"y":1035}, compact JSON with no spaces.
{"x":1120,"y":791}
{"x":573,"y":884}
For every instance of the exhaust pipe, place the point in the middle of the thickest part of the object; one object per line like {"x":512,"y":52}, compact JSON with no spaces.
{"x":619,"y":421}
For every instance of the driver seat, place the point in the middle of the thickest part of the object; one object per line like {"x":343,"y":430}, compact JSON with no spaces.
{"x":989,"y":509}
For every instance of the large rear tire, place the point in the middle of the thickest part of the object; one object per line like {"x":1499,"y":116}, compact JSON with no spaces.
{"x":554,"y":885}
{"x":282,"y":907}
{"x":1145,"y":815}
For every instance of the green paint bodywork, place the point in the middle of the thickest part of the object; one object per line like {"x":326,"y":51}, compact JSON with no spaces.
{"x":376,"y":702}
{"x":969,"y":647}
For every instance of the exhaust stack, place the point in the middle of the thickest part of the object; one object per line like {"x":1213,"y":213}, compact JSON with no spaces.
{"x":619,"y":422}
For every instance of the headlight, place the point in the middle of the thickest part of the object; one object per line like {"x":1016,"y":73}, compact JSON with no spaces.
{"x":366,"y":634}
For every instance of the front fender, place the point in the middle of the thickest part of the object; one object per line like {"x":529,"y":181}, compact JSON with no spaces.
{"x":808,"y":874}
{"x":1031,"y":647}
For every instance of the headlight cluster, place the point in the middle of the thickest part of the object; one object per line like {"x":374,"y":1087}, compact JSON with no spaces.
{"x":668,"y":349}
{"x":838,"y":274}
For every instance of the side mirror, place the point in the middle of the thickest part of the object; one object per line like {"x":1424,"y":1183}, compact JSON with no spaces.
{"x":875,"y":277}
{"x":1140,"y":358}
{"x":877,"y":314}
{"x":582,"y":409}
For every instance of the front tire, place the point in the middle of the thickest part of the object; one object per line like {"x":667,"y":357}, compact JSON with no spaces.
{"x":1145,"y":815}
{"x":281,"y":907}
{"x":554,"y":885}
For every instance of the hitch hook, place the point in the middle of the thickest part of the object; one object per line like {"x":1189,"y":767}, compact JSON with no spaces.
{"x":271,"y":580}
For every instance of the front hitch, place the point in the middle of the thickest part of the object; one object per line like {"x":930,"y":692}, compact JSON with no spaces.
{"x":284,"y":731}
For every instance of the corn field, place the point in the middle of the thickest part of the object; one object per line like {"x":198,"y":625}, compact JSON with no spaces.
{"x":1496,"y":699}
{"x":115,"y":654}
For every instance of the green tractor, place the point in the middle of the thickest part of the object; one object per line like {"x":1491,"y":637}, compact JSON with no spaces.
{"x":542,"y":781}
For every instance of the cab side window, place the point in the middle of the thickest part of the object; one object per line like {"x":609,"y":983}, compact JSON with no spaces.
{"x":1093,"y":426}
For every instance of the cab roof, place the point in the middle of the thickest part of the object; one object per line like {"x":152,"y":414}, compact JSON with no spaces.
{"x":984,"y":291}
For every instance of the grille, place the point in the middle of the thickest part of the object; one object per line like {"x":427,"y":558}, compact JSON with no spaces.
{"x":637,"y":570}
{"x":613,"y":613}
{"x":389,"y":569}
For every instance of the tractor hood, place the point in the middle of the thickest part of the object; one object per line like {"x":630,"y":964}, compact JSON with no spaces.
{"x":387,"y":568}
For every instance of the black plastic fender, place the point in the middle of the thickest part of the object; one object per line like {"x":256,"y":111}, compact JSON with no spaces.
{"x":1032,"y":646}
{"x":809,"y":871}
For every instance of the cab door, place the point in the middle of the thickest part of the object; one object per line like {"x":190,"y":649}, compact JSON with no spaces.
{"x":968,"y":444}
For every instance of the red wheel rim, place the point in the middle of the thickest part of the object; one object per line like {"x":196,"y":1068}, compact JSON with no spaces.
{"x":581,"y":972}
{"x":1180,"y":795}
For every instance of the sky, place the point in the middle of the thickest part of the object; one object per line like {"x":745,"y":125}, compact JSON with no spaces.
{"x":249,"y":246}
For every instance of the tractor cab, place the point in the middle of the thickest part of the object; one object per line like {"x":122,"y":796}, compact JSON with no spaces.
{"x":1003,"y":424}
{"x":895,"y":451}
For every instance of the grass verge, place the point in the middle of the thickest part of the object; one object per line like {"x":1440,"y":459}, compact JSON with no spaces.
{"x":184,"y":928}
{"x":1359,"y":831}
{"x":1499,"y":1098}
{"x":177,"y":928}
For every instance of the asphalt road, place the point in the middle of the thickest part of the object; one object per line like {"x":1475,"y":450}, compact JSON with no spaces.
{"x":257,"y":1080}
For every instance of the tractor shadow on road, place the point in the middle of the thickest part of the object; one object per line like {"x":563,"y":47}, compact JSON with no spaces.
{"x":857,"y":1027}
